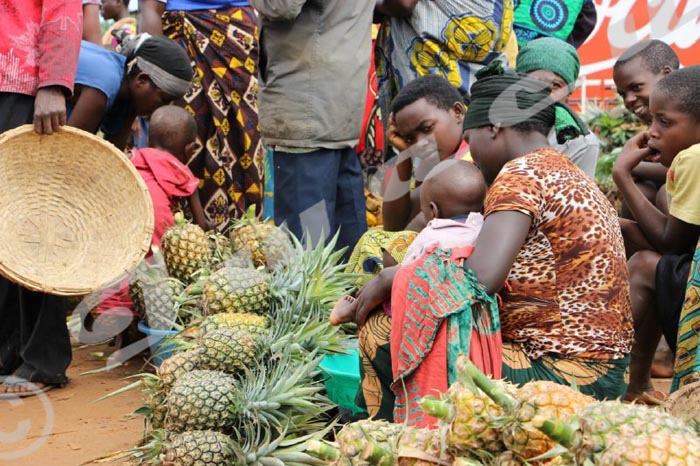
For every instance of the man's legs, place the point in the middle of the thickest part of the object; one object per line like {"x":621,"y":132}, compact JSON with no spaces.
{"x":350,"y":210}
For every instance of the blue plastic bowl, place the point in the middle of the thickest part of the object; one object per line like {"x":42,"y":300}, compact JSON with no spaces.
{"x":342,"y":379}
{"x":159,"y":352}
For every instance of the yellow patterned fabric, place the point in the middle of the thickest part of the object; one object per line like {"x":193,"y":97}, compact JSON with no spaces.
{"x":687,"y":366}
{"x":367,"y":256}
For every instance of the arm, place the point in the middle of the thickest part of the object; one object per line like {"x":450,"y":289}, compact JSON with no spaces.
{"x":650,"y":171}
{"x":121,"y":138}
{"x":198,"y":212}
{"x":375,"y":292}
{"x":89,"y":110}
{"x":500,"y":241}
{"x":395,"y":8}
{"x":278,"y":10}
{"x":584,"y":25}
{"x":150,"y":14}
{"x":92,"y":31}
{"x":397,"y":214}
{"x":667,"y":234}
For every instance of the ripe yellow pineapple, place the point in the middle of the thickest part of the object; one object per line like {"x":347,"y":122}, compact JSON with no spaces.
{"x":468,"y":416}
{"x":233,"y":289}
{"x":605,"y":423}
{"x":268,"y":244}
{"x":369,"y":442}
{"x":658,"y":449}
{"x":185,"y":249}
{"x":253,"y":323}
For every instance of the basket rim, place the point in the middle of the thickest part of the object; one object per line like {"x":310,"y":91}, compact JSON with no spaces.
{"x":138,"y":252}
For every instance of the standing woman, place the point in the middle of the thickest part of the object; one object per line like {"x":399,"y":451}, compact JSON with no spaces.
{"x":221,"y":38}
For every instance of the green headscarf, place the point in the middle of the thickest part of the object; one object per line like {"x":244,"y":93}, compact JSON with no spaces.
{"x":550,"y":54}
{"x":506,"y":98}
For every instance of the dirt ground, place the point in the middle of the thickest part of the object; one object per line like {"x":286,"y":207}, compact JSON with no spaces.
{"x":68,"y":427}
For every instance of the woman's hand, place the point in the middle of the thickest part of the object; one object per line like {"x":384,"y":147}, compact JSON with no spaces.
{"x":395,"y":139}
{"x":374,"y":293}
{"x":633,"y":153}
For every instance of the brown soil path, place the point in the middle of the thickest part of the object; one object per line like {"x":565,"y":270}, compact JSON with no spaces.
{"x":67,"y":427}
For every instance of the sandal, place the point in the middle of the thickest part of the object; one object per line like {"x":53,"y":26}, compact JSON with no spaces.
{"x":653,"y":398}
{"x":32,"y":388}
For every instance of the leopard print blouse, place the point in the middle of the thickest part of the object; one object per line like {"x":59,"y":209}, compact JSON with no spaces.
{"x":568,"y":290}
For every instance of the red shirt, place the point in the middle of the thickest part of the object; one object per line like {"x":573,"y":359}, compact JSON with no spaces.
{"x":39,"y":44}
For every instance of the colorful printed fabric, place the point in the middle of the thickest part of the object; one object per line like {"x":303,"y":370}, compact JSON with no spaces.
{"x":687,"y":366}
{"x":553,"y":18}
{"x":375,"y":393}
{"x":568,"y":290}
{"x":127,"y":25}
{"x":450,"y":38}
{"x":603,"y":380}
{"x":39,"y":43}
{"x":367,"y":256}
{"x":223,"y":98}
{"x":439,"y":310}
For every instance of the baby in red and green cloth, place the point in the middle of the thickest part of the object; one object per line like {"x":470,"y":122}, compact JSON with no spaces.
{"x":172,"y":140}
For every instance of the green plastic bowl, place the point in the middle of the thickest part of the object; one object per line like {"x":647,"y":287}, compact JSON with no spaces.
{"x":342,"y":379}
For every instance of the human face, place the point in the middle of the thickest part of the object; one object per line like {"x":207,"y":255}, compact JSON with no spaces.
{"x":422,"y":119}
{"x":146,"y":96}
{"x":560,"y":90}
{"x":634,"y":84}
{"x":486,"y":151}
{"x":111,"y":9}
{"x":671,"y":130}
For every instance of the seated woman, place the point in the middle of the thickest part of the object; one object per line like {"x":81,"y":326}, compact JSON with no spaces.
{"x":550,"y":244}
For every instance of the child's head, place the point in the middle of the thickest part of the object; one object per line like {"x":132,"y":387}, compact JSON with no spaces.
{"x":552,"y":61}
{"x":675,"y":108}
{"x":173,"y":130}
{"x":453,"y":188}
{"x":430,"y":106}
{"x":112,"y":9}
{"x":158,"y":71}
{"x":638,"y":70}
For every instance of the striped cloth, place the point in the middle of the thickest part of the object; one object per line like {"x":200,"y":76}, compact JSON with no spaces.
{"x":438,"y":311}
{"x":687,"y":366}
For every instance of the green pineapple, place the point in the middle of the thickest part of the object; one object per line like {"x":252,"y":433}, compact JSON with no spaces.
{"x":230,"y":350}
{"x":160,"y":299}
{"x":178,"y":364}
{"x":235,"y":290}
{"x":199,"y":448}
{"x":185,"y":249}
{"x":201,"y":400}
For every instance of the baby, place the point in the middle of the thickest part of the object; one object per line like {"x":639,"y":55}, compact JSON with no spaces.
{"x":451,"y":199}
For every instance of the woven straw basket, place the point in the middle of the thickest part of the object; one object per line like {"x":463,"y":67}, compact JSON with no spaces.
{"x":685,"y":402}
{"x":75,"y":215}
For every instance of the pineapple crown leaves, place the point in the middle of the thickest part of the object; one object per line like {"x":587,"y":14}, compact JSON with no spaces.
{"x":267,"y":447}
{"x":469,"y":374}
{"x":269,"y":396}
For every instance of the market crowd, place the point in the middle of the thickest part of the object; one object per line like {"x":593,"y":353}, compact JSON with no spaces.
{"x":496,"y":240}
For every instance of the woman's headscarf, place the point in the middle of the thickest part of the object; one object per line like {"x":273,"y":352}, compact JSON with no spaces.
{"x":505,"y":98}
{"x":550,"y":54}
{"x":163,"y":60}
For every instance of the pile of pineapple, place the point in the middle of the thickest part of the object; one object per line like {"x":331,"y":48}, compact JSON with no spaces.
{"x":242,"y":384}
{"x":486,"y":422}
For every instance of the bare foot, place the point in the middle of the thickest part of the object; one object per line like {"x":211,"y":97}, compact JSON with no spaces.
{"x":343,"y":311}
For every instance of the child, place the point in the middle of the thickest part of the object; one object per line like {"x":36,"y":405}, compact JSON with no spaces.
{"x":451,"y":199}
{"x":636,"y":73}
{"x":556,"y":63}
{"x":659,"y":272}
{"x":427,"y":107}
{"x":172,"y":141}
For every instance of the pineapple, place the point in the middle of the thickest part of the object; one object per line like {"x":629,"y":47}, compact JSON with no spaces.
{"x":198,"y":448}
{"x":178,"y":364}
{"x":421,"y":447}
{"x":230,"y":350}
{"x":268,"y":244}
{"x":604,"y":423}
{"x":467,"y":415}
{"x":252,"y":323}
{"x":219,"y":249}
{"x":160,"y":299}
{"x":660,"y":449}
{"x":369,"y":442}
{"x":235,"y":290}
{"x":536,"y":398}
{"x":186,"y":249}
{"x":201,"y":400}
